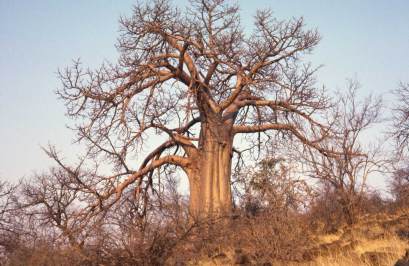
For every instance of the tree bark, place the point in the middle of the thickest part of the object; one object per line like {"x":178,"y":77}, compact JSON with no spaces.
{"x":210,"y":191}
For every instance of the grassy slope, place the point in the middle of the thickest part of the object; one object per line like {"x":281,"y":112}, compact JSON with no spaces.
{"x":375,"y":240}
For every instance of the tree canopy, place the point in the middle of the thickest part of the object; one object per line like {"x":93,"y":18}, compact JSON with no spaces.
{"x":198,"y":78}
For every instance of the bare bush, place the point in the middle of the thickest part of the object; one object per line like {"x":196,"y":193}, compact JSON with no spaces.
{"x":400,"y":187}
{"x":272,"y":186}
{"x":56,"y":230}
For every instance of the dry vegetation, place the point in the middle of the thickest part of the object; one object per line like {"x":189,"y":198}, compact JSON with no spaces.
{"x":40,"y":227}
{"x":277,"y":169}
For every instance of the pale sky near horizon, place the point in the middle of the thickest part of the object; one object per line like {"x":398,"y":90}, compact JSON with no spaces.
{"x":365,"y":40}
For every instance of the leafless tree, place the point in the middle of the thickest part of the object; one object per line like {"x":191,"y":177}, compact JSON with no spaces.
{"x":45,"y":220}
{"x":400,"y":186}
{"x":9,"y":224}
{"x":193,"y":81}
{"x":49,"y":200}
{"x":346,"y":175}
{"x":6,"y":204}
{"x":400,"y":178}
{"x":401,"y":118}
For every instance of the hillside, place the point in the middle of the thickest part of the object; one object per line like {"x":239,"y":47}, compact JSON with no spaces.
{"x":375,"y":240}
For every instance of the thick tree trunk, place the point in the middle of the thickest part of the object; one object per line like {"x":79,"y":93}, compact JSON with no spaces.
{"x":210,"y":191}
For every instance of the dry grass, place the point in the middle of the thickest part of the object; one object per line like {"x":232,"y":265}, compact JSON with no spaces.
{"x":371,"y":242}
{"x":329,"y":238}
{"x":382,"y":252}
{"x":391,"y":245}
{"x":367,"y":252}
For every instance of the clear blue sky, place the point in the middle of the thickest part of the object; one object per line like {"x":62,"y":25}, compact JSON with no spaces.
{"x":367,"y":40}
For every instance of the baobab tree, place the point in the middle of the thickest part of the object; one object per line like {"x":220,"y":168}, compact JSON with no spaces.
{"x":193,"y":80}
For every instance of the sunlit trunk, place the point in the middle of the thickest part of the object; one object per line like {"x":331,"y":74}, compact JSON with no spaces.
{"x":210,"y":192}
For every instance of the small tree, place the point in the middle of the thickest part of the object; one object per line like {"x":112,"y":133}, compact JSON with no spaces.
{"x":9,"y":224}
{"x":401,"y":118}
{"x":346,"y":175}
{"x":196,"y":81}
{"x":50,"y":201}
{"x":7,"y":198}
{"x":400,"y":179}
{"x":400,"y":186}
